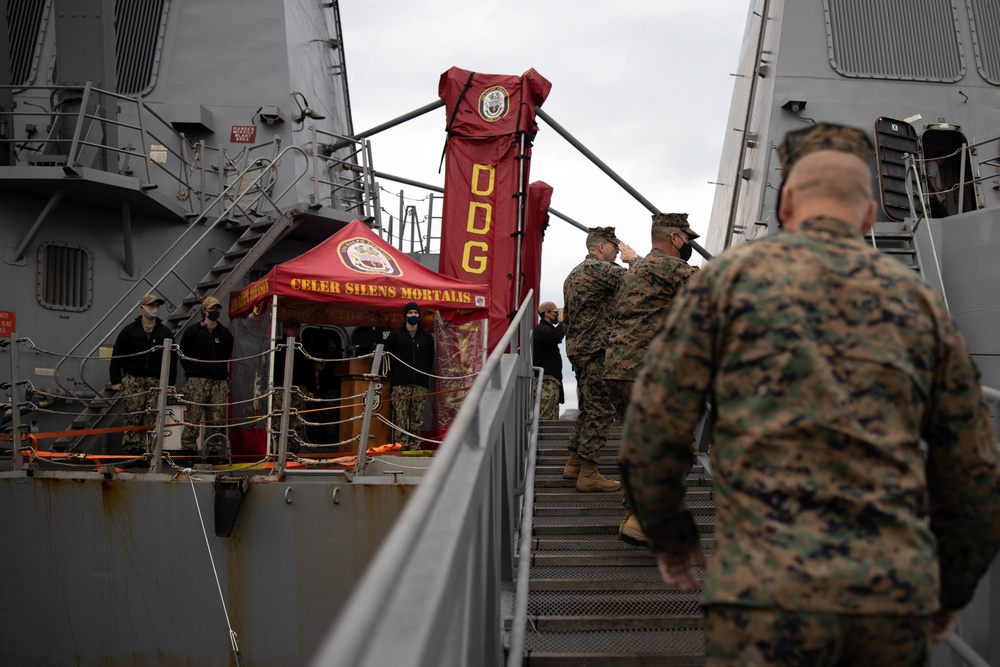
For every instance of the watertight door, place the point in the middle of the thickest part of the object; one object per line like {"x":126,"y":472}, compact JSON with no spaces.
{"x":893,"y":140}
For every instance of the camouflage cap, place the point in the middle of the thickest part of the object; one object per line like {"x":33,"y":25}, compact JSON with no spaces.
{"x":607,"y":233}
{"x":547,"y":307}
{"x":210,"y":302}
{"x":675,"y":220}
{"x":823,"y":136}
{"x":150,"y":299}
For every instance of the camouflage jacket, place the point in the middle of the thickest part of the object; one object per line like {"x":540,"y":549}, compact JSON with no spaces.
{"x":826,"y":363}
{"x":646,"y":293}
{"x":588,"y":298}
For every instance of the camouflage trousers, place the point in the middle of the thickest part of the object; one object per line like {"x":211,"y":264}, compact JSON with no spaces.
{"x":550,"y":397}
{"x":738,"y":635}
{"x":206,"y":412}
{"x":140,"y":397}
{"x":619,"y":393}
{"x":595,"y":412}
{"x":408,"y":412}
{"x":295,"y":425}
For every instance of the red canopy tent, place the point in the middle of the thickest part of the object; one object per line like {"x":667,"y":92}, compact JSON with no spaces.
{"x":355,"y":278}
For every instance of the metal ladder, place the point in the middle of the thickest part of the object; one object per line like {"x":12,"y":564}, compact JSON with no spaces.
{"x":594,"y":599}
{"x":256,"y":239}
{"x":896,"y":239}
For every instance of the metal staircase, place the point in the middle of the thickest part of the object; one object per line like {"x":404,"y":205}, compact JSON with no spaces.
{"x":221,"y":279}
{"x":256,"y":239}
{"x":897,"y":240}
{"x":593,"y":599}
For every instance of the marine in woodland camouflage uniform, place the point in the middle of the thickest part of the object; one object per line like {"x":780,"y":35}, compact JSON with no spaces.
{"x":648,"y":289}
{"x":588,"y":294}
{"x":545,"y":339}
{"x":827,"y":363}
{"x":206,"y":347}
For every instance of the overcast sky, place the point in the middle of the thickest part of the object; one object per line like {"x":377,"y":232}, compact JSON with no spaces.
{"x":645,"y":85}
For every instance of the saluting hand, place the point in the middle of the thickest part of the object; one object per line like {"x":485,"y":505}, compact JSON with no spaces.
{"x":626,"y":251}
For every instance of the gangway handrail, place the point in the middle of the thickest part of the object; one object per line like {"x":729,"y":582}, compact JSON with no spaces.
{"x":390,"y":617}
{"x":519,"y":617}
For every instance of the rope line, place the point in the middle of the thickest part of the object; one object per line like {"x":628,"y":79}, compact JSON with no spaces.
{"x":438,"y":377}
{"x":401,"y":430}
{"x":215,"y":572}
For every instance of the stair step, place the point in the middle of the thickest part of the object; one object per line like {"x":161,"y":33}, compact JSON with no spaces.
{"x":593,"y":599}
{"x":623,"y":603}
{"x":890,"y":236}
{"x":616,"y":622}
{"x":636,"y":557}
{"x":208,"y":285}
{"x":555,"y":495}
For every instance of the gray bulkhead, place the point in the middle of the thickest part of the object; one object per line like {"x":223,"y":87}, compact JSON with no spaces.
{"x":933,"y":63}
{"x":929,"y":65}
{"x":187,"y":73}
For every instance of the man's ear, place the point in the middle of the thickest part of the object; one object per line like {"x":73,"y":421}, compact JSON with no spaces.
{"x":786,"y":207}
{"x":869,"y":219}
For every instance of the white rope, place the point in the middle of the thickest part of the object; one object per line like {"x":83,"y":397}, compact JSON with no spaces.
{"x":232,"y":633}
{"x":396,"y":428}
{"x":431,"y":375}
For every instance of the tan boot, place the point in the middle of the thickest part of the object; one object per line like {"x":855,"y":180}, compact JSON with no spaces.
{"x":630,"y":531}
{"x":591,"y":480}
{"x":572,"y":468}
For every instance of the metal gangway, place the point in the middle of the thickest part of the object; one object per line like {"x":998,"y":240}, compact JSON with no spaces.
{"x":496,"y":561}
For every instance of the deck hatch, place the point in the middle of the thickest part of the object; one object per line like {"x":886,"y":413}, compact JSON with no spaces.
{"x":25,"y":20}
{"x":906,"y":40}
{"x":65,"y":277}
{"x":139,"y":28}
{"x":984,"y":15}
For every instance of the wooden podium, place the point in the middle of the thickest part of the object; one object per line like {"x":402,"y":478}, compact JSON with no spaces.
{"x":354,"y":382}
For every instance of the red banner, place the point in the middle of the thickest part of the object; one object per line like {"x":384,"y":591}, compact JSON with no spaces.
{"x":491,"y":123}
{"x":535,"y":221}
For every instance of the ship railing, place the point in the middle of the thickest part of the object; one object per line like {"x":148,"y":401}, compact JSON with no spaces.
{"x":976,"y":157}
{"x":434,"y":590}
{"x":124,"y":306}
{"x":344,"y":165}
{"x":90,"y":128}
{"x":319,"y":413}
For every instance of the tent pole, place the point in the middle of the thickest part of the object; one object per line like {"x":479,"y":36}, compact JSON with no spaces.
{"x":270,"y":371}
{"x":522,"y":196}
{"x":286,"y":406}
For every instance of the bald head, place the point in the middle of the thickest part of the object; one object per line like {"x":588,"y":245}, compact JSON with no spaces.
{"x":829,"y":182}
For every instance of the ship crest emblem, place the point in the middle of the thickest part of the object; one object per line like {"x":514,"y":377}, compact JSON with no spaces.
{"x":494,"y":104}
{"x":364,"y":256}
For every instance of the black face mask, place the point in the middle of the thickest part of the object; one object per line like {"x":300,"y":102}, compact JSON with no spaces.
{"x":214,"y":314}
{"x":685,"y":251}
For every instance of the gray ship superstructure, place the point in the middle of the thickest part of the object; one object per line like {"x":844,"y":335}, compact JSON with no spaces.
{"x":180,"y":147}
{"x":923,"y":78}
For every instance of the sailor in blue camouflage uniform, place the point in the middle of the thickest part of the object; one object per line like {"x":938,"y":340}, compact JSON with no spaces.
{"x":837,"y":541}
{"x":206,"y":348}
{"x":588,"y":296}
{"x":648,"y":288}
